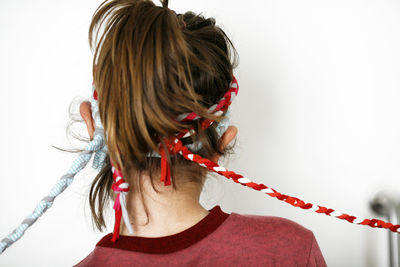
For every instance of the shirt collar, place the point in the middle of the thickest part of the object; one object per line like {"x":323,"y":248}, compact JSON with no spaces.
{"x":171,"y":243}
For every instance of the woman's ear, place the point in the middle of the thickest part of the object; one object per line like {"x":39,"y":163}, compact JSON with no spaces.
{"x":85,"y":109}
{"x":226,"y":138}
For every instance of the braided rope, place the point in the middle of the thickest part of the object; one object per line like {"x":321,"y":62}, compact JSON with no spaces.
{"x":97,"y":146}
{"x":294,"y":201}
{"x":221,"y":106}
{"x":78,"y":164}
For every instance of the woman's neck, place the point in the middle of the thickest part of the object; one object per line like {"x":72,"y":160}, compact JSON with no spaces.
{"x":169,"y":212}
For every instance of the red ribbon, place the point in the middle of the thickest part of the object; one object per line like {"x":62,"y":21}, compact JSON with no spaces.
{"x":174,"y":145}
{"x":118,"y":215}
{"x":117,"y":204}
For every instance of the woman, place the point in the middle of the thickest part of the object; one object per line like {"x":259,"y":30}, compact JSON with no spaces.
{"x":153,"y":65}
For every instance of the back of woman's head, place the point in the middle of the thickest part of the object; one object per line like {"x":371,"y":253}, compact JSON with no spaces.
{"x":151,"y":65}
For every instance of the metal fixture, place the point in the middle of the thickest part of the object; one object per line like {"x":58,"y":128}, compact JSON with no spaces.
{"x":387,"y":204}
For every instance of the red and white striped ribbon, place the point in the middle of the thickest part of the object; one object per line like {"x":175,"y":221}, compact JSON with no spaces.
{"x":122,"y":187}
{"x":240,"y":179}
{"x":217,"y":109}
{"x":221,"y":106}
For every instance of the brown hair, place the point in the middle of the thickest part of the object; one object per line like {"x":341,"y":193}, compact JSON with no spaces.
{"x":150,"y":65}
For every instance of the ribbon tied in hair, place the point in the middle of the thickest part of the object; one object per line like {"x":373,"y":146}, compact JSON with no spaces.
{"x":174,"y":145}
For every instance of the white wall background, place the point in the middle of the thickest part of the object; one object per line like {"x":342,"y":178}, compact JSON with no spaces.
{"x":317,"y":113}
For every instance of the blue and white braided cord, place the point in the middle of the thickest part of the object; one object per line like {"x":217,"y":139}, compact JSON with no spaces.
{"x":100,"y":155}
{"x":97,"y":146}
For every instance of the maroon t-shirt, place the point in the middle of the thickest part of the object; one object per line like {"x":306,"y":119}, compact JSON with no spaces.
{"x":219,"y":239}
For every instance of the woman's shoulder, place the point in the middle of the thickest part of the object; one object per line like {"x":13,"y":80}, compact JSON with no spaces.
{"x":272,"y":232}
{"x":281,"y":239}
{"x":270,"y":225}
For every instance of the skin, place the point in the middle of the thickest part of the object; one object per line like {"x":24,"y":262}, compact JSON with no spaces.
{"x":170,"y":211}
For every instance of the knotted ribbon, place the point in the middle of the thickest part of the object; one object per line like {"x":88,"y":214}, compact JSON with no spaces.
{"x":173,"y":147}
{"x":122,"y":187}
